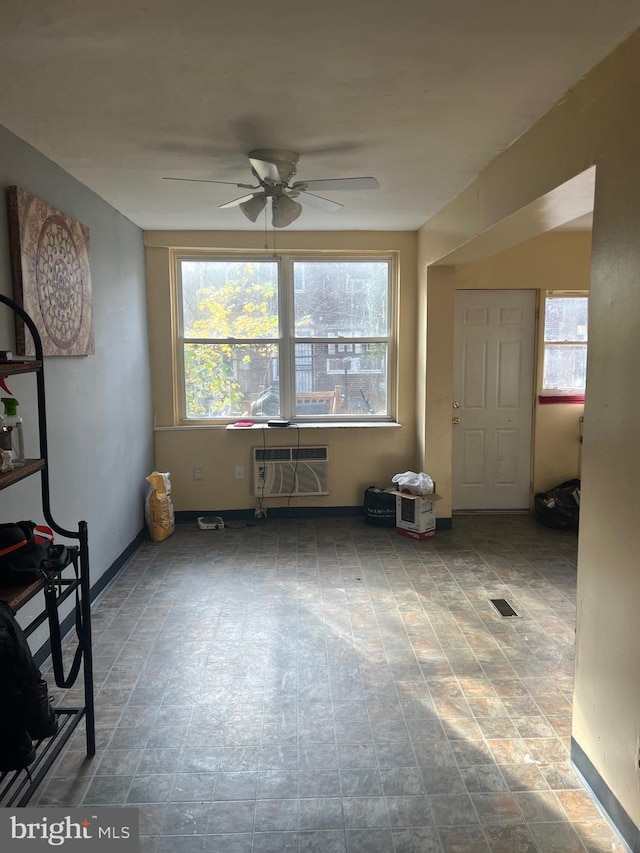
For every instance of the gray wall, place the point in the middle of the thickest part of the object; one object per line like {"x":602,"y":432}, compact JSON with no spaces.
{"x":99,"y":408}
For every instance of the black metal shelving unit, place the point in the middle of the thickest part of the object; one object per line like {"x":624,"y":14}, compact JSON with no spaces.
{"x":17,"y":787}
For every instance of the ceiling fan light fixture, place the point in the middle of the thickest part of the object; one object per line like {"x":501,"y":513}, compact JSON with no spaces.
{"x":284,"y":211}
{"x":253,"y":208}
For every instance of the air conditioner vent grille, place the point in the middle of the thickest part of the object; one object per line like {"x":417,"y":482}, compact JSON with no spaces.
{"x":272,"y":454}
{"x":309,"y":453}
{"x":290,"y":471}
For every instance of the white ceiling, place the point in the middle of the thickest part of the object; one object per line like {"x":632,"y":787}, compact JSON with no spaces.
{"x":422,"y":94}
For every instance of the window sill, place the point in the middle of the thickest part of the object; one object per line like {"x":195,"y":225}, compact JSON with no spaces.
{"x":545,"y":399}
{"x":306,"y":425}
{"x":318,"y":425}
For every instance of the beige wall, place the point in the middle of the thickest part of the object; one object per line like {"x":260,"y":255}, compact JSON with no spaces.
{"x":596,"y":123}
{"x":359,"y":456}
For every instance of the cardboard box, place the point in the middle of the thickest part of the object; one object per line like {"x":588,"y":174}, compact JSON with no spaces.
{"x":416,"y":514}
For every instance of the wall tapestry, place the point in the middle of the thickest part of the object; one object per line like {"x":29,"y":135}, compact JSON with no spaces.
{"x":51,"y":276}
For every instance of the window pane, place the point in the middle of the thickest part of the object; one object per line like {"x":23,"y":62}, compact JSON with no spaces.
{"x":227,"y":381}
{"x":339,"y":379}
{"x":229,"y":299}
{"x":565,"y":318}
{"x":341,"y":299}
{"x":565,"y":367}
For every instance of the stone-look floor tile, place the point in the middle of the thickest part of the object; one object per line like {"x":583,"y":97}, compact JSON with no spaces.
{"x":189,"y":787}
{"x":276,"y":815}
{"x":180,"y":844}
{"x":319,"y":686}
{"x":118,"y":762}
{"x":365,"y":812}
{"x":275,"y":842}
{"x":108,"y":790}
{"x":578,"y":806}
{"x":462,"y":840}
{"x":496,"y":808}
{"x":369,"y":841}
{"x":150,"y":817}
{"x":453,"y":810}
{"x":229,"y":843}
{"x":524,"y":777}
{"x":510,"y":839}
{"x":322,"y":841}
{"x":408,"y":811}
{"x":556,"y":838}
{"x":151,"y":788}
{"x":597,"y":836}
{"x":402,"y":781}
{"x":62,"y":791}
{"x":185,"y":819}
{"x":422,"y":839}
{"x":321,"y":813}
{"x":231,"y":816}
{"x":483,"y":779}
{"x":539,"y":806}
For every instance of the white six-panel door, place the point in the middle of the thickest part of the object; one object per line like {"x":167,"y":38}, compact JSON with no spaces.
{"x":494,"y":346}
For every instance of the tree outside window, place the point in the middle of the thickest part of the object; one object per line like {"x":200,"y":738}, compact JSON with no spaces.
{"x":294,"y":337}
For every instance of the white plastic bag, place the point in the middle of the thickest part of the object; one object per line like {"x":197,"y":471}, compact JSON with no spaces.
{"x":415,"y":484}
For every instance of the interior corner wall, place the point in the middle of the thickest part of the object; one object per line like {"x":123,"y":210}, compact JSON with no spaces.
{"x":607,"y":690}
{"x":596,"y":123}
{"x":440,"y":308}
{"x":358,"y":456}
{"x":99,"y":413}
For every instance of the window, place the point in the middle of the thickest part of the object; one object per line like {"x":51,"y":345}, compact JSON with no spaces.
{"x":293,"y":337}
{"x":565,"y":345}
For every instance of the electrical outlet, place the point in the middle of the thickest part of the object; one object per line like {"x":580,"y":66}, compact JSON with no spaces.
{"x":239,"y":472}
{"x":197,"y":472}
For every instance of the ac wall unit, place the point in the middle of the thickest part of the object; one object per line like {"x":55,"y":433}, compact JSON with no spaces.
{"x":280,"y":472}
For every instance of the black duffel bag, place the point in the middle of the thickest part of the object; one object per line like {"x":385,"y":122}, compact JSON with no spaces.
{"x":559,"y":507}
{"x":379,"y":507}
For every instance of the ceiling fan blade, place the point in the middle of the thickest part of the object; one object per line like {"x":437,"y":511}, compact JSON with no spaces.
{"x":237,"y":201}
{"x":266,"y":171}
{"x":338,"y":184}
{"x":203,"y":181}
{"x":320,"y":203}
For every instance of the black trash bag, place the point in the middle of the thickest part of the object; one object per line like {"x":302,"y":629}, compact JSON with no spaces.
{"x":25,"y":708}
{"x":559,"y":507}
{"x":379,"y":507}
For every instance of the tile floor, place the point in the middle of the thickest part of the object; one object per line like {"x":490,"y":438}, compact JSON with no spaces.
{"x":333,"y":687}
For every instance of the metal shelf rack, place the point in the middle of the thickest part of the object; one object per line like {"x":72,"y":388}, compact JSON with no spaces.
{"x":18,"y":786}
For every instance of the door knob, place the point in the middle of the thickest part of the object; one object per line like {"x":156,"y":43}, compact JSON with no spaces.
{"x":456,"y":420}
{"x":456,"y":405}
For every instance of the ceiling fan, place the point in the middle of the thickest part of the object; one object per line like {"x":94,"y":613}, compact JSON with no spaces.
{"x":274,"y":169}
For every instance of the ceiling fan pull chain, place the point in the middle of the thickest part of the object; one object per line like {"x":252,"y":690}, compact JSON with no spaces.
{"x":266,"y":229}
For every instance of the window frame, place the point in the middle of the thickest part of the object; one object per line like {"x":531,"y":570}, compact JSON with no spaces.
{"x":560,"y":395}
{"x":287,"y":339}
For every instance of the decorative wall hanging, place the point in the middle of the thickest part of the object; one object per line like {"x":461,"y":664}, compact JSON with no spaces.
{"x":51,"y":275}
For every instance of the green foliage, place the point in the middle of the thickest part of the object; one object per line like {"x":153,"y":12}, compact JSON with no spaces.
{"x":223,"y":301}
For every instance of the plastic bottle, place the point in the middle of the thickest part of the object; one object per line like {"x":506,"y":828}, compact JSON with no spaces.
{"x":5,"y":435}
{"x":13,"y":421}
